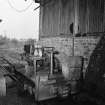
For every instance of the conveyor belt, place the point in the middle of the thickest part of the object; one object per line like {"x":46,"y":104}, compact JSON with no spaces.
{"x":16,"y":75}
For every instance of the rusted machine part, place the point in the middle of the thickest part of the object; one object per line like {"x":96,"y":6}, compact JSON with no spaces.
{"x":48,"y":80}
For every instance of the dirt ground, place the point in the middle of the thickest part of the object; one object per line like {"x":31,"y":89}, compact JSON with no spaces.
{"x":12,"y":98}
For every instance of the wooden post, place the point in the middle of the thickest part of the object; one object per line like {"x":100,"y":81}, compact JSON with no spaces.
{"x":87,"y":17}
{"x":104,"y":18}
{"x":51,"y":58}
{"x":76,"y":22}
{"x":76,"y":16}
{"x":40,"y":22}
{"x":2,"y":86}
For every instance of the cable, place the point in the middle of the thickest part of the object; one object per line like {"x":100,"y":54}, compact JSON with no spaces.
{"x":36,"y":8}
{"x":23,"y":10}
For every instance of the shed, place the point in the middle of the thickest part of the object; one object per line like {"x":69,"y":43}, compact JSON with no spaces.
{"x":73,"y":27}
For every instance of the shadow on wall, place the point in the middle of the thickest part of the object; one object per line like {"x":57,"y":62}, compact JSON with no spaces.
{"x":95,"y":75}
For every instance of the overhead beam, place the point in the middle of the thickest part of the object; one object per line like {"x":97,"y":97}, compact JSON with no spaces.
{"x":37,"y":1}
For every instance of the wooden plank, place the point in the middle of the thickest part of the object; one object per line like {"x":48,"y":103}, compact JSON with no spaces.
{"x":96,"y":15}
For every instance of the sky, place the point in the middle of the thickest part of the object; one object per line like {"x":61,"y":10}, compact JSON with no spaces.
{"x":19,"y":19}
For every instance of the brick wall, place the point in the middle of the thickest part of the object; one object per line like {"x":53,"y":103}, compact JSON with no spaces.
{"x":83,"y":46}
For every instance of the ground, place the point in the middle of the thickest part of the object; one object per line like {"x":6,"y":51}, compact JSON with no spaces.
{"x":13,"y":98}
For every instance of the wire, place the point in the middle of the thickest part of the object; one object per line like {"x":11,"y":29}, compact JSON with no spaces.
{"x":37,"y":8}
{"x":17,"y":10}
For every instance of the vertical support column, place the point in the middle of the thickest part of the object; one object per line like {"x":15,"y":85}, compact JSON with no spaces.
{"x":35,"y":67}
{"x":104,"y":17}
{"x":76,"y":16}
{"x":87,"y":16}
{"x":59,"y":22}
{"x":51,"y":58}
{"x":40,"y":21}
{"x":76,"y":22}
{"x":2,"y":86}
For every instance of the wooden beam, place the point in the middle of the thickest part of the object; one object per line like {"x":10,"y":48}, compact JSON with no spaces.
{"x":76,"y":16}
{"x":37,"y":1}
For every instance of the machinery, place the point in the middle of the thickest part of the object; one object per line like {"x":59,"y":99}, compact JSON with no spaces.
{"x":45,"y":76}
{"x":45,"y":70}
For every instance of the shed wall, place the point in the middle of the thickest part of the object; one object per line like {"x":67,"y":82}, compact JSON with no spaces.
{"x":57,"y":16}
